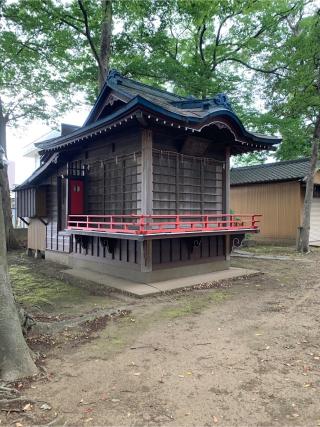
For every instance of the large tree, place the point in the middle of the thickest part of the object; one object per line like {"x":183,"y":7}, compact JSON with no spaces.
{"x":39,"y":71}
{"x":294,"y":96}
{"x":32,"y":81}
{"x":29,"y":76}
{"x":15,"y":357}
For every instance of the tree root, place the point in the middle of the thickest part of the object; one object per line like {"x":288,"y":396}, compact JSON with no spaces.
{"x":52,"y":328}
{"x":16,"y":399}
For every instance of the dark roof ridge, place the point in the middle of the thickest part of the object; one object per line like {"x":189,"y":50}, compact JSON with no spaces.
{"x":114,"y":74}
{"x":301,"y":160}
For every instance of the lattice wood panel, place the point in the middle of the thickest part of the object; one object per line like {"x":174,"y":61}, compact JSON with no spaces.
{"x":114,"y":185}
{"x":186,"y":184}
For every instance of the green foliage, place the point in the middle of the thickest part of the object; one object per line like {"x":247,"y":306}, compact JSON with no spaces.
{"x":260,"y":53}
{"x":33,"y":73}
{"x":251,"y":159}
{"x":293,"y":94}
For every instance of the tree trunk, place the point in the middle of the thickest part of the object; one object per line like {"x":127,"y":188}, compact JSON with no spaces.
{"x":105,"y":41}
{"x":303,"y":239}
{"x":4,"y":185}
{"x":15,"y":357}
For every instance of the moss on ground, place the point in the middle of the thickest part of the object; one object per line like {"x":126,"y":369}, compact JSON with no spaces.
{"x":39,"y":285}
{"x":272,"y":250}
{"x":192,"y":304}
{"x":125,"y":331}
{"x":36,"y":290}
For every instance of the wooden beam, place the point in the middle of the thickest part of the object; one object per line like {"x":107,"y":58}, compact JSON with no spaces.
{"x":146,"y":255}
{"x":147,"y":173}
{"x":227,"y":197}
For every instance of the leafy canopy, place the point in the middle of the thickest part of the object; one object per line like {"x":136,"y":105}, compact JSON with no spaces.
{"x":197,"y":48}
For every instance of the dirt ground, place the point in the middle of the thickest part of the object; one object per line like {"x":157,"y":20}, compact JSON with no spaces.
{"x":245,"y":354}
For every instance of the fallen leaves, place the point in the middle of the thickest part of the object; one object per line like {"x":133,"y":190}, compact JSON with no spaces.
{"x":27,"y":407}
{"x":45,"y":407}
{"x":188,"y":373}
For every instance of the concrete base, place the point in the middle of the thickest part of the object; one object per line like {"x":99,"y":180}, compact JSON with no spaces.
{"x":145,"y":289}
{"x":59,"y":257}
{"x":315,"y":244}
{"x":132,"y":272}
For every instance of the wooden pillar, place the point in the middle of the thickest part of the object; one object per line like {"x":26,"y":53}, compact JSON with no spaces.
{"x":146,"y":195}
{"x":227,"y":197}
{"x":67,"y":193}
{"x":177,"y":185}
{"x":146,"y":173}
{"x":146,"y":255}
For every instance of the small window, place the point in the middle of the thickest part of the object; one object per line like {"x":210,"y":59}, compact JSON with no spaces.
{"x":316,"y":191}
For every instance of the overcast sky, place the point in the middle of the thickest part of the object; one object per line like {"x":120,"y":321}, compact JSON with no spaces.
{"x":20,"y":136}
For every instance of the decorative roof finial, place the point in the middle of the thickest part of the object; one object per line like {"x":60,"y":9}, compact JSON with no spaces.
{"x":113,"y":75}
{"x":222,"y":99}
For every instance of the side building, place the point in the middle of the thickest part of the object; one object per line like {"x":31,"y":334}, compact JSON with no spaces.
{"x":277,"y":190}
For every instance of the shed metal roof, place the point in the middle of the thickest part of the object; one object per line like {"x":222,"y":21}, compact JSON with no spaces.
{"x":270,"y":172}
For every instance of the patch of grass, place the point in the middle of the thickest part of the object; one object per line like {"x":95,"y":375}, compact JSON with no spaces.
{"x":272,"y":250}
{"x":125,"y":331}
{"x":192,"y":305}
{"x":33,"y":289}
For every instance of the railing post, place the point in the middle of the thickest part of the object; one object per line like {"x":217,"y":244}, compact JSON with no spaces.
{"x":141,"y":226}
{"x":254,"y":221}
{"x":206,"y":220}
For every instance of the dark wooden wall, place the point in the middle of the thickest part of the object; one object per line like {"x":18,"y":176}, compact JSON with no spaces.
{"x":187,"y":250}
{"x":31,"y":202}
{"x":165,"y":252}
{"x":109,"y":187}
{"x":113,"y":176}
{"x":185,"y":184}
{"x":113,"y":186}
{"x":119,"y":251}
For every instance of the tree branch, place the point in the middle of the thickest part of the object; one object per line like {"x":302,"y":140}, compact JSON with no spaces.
{"x":217,"y":40}
{"x":88,"y":35}
{"x":251,"y":67}
{"x":202,"y":31}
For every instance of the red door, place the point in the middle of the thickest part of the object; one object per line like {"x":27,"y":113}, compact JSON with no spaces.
{"x":76,"y":197}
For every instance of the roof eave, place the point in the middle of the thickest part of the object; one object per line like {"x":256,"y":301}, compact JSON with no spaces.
{"x":192,"y":123}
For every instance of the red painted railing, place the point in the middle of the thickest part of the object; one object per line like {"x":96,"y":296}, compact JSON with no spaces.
{"x":156,"y":224}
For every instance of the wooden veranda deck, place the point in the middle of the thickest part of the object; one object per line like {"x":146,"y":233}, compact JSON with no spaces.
{"x":159,"y":226}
